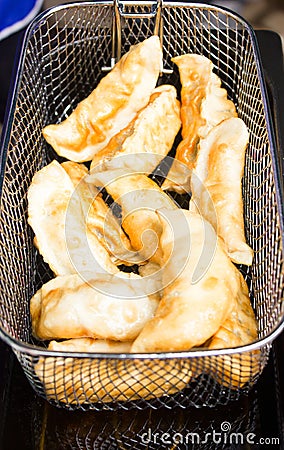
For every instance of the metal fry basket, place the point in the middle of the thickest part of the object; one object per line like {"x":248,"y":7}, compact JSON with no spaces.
{"x":65,"y":53}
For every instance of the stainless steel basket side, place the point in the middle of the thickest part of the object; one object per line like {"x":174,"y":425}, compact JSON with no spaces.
{"x":65,"y":53}
{"x":96,"y":381}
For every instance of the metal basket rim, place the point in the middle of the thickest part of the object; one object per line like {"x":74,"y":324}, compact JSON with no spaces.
{"x":20,"y":346}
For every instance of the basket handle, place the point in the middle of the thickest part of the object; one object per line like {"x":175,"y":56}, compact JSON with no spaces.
{"x":120,"y":11}
{"x":121,"y":6}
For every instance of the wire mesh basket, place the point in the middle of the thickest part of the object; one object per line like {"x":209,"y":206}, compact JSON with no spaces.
{"x":65,"y":53}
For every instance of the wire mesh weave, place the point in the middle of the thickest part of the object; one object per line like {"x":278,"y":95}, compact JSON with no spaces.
{"x":63,"y":58}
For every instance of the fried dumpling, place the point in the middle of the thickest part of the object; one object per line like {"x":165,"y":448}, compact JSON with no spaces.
{"x":152,"y":131}
{"x":84,"y":380}
{"x":104,"y":307}
{"x":216,"y":106}
{"x":139,"y":197}
{"x":216,"y":185}
{"x":195,"y":71}
{"x":90,"y":345}
{"x":239,"y":329}
{"x":111,"y":106}
{"x":200,"y":283}
{"x":99,"y":218}
{"x":204,"y":104}
{"x":57,"y":218}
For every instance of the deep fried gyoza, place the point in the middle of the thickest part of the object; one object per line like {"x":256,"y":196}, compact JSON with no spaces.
{"x":195,"y":71}
{"x":111,"y":106}
{"x":56,"y":215}
{"x":99,"y":218}
{"x":239,"y":329}
{"x":152,"y":131}
{"x":216,"y":185}
{"x":85,"y":380}
{"x":200,"y":284}
{"x":139,"y":197}
{"x":90,"y":345}
{"x":104,"y":307}
{"x":204,"y":104}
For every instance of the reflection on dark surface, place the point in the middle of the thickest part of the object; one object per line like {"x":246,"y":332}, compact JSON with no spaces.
{"x":9,"y":49}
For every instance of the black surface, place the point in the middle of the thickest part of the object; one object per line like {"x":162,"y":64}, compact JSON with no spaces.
{"x":270,"y":46}
{"x":28,"y":422}
{"x":8,"y":50}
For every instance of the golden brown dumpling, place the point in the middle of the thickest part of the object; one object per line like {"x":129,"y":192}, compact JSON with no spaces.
{"x":104,"y":307}
{"x":216,"y":185}
{"x":90,"y":345}
{"x":99,"y":218}
{"x":151,"y":132}
{"x":139,"y":197}
{"x":195,"y":71}
{"x":204,"y":104}
{"x":200,"y":284}
{"x":239,"y":329}
{"x":57,"y":217}
{"x":84,"y":380}
{"x":111,"y":105}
